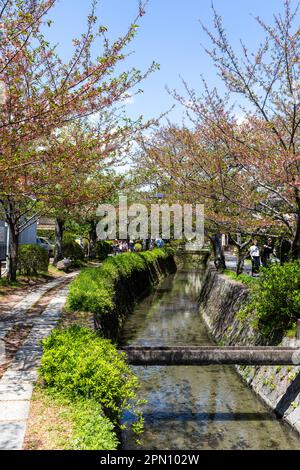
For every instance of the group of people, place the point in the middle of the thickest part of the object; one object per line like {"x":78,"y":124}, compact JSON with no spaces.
{"x":123,"y":246}
{"x":262,"y":257}
{"x":157,"y":243}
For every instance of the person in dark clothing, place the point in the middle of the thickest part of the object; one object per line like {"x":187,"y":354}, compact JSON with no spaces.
{"x":268,"y":251}
{"x":285,"y":250}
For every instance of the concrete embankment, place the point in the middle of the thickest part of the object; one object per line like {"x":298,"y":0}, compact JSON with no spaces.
{"x":279,"y":386}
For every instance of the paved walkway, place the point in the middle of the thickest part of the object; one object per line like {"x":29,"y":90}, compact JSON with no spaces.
{"x":231,"y":261}
{"x":16,"y":385}
{"x":18,"y":312}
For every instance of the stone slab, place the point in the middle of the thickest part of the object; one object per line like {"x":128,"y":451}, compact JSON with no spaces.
{"x":12,"y":435}
{"x":11,"y":391}
{"x":19,"y":376}
{"x":14,"y":410}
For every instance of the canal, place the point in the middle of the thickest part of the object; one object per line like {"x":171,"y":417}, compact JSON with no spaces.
{"x":190,"y":407}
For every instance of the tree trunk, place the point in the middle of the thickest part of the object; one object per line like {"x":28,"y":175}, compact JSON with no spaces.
{"x":241,"y":260}
{"x":59,"y":231}
{"x":285,"y":250}
{"x":219,"y":257}
{"x":13,"y":252}
{"x":242,"y":253}
{"x":92,"y":238}
{"x":296,"y":241}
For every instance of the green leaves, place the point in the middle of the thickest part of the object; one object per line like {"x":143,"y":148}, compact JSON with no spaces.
{"x":94,"y":290}
{"x":91,"y":430}
{"x":32,"y":259}
{"x":83,"y":367}
{"x":72,"y":250}
{"x":275,"y":298}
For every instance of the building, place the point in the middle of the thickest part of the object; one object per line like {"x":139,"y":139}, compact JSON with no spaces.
{"x":47,"y":224}
{"x":27,"y":237}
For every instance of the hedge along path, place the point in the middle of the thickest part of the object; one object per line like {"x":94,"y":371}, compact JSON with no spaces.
{"x":111,"y":291}
{"x":16,"y":385}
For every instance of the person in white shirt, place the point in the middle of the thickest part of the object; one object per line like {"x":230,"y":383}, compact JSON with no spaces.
{"x":255,"y":257}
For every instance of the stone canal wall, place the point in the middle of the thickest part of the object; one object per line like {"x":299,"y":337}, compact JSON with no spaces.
{"x":279,"y":387}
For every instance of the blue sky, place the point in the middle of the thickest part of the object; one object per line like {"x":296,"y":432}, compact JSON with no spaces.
{"x":170,"y":34}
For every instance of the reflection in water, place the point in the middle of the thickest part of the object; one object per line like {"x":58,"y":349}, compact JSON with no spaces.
{"x":206,"y":407}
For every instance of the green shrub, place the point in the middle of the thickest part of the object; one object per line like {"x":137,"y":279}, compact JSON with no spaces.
{"x":72,"y":250}
{"x":243,"y":278}
{"x":79,"y":364}
{"x":275,"y":298}
{"x":152,"y":255}
{"x":111,"y":290}
{"x":69,"y":236}
{"x":88,"y":427}
{"x":32,"y":259}
{"x":170,"y":251}
{"x":94,"y":289}
{"x":138,"y":247}
{"x":102,"y":249}
{"x":91,"y":430}
{"x":125,"y":264}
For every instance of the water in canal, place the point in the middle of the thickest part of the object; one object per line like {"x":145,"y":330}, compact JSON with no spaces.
{"x":190,"y":407}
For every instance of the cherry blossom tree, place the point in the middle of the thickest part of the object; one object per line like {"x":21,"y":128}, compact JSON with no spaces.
{"x":263,"y":147}
{"x":41,"y":95}
{"x":195,"y":166}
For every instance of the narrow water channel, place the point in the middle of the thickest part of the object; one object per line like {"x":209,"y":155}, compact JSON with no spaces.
{"x":189,"y":407}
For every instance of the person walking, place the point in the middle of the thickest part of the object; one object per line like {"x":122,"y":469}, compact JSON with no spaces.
{"x":115,"y":247}
{"x":268,"y":251}
{"x":255,"y":257}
